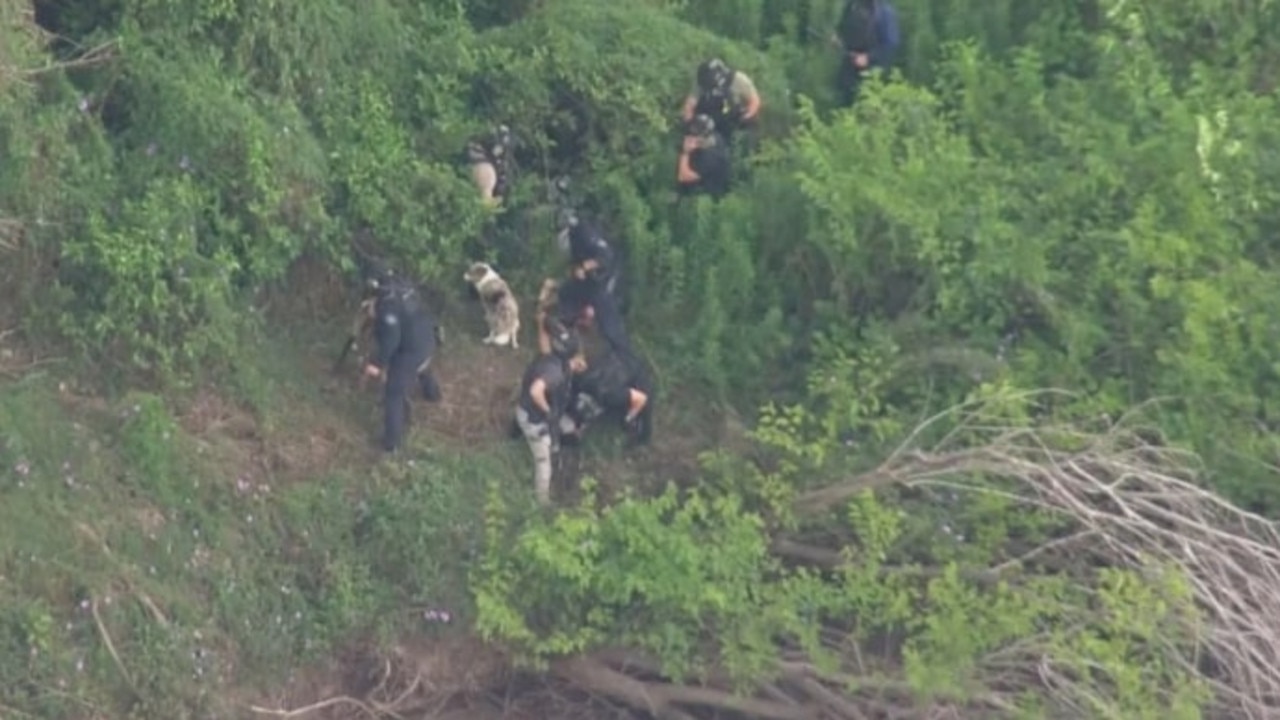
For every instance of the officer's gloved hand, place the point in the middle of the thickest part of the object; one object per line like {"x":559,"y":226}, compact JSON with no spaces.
{"x":637,"y":429}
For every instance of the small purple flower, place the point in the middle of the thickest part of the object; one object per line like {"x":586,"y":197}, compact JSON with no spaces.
{"x":242,"y":484}
{"x":22,"y":468}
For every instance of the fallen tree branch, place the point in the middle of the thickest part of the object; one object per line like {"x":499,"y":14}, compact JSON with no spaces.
{"x":1135,"y":506}
{"x":111,"y":646}
{"x":300,"y":712}
{"x":93,"y":56}
{"x":658,"y":698}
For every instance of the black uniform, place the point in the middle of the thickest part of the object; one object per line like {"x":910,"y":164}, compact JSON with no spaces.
{"x":714,"y":167}
{"x":869,"y":27}
{"x":599,"y":288}
{"x":715,"y":97}
{"x":406,"y":341}
{"x":609,"y":381}
{"x":554,"y":372}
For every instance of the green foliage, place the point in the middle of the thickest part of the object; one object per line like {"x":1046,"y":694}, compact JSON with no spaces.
{"x":1069,"y":195}
{"x":691,"y":578}
{"x":207,"y":574}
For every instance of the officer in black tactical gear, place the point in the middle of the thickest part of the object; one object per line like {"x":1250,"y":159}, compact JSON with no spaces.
{"x":490,"y":158}
{"x":618,"y":384}
{"x":590,"y":294}
{"x":725,"y":95}
{"x":705,"y":165}
{"x":407,"y":337}
{"x":545,"y":393}
{"x":869,"y":37}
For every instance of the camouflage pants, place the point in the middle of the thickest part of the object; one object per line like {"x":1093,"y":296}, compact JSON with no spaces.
{"x":538,"y":436}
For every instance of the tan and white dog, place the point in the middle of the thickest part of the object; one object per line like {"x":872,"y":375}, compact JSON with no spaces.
{"x":501,"y":311}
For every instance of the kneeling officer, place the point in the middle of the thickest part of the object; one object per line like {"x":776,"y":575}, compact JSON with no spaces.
{"x":407,"y":338}
{"x":619,"y":384}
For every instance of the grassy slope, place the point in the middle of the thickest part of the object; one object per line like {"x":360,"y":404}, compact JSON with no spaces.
{"x":217,"y":547}
{"x":168,"y":556}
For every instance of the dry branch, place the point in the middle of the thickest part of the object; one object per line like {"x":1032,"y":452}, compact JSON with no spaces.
{"x":1134,"y":504}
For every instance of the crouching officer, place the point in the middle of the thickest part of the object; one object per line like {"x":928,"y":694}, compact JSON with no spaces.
{"x":490,"y":158}
{"x":590,"y":294}
{"x":727,"y":96}
{"x":407,"y":337}
{"x":705,"y":162}
{"x":545,"y":393}
{"x":620,"y":385}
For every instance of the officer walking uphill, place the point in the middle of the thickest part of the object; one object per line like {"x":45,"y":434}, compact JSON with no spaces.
{"x":869,"y":37}
{"x":545,"y":393}
{"x":704,"y":165}
{"x":490,"y":159}
{"x":406,"y":337}
{"x":727,"y":96}
{"x":590,"y":294}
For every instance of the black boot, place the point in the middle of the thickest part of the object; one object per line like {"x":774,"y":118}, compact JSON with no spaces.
{"x":430,"y":388}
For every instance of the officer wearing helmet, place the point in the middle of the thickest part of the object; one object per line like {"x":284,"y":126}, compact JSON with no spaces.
{"x":545,"y":393}
{"x":591,"y":257}
{"x":589,"y":296}
{"x":705,"y":163}
{"x":725,"y":95}
{"x":490,"y":159}
{"x":407,"y":337}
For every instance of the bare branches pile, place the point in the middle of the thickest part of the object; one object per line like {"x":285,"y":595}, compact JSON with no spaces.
{"x":1135,"y":504}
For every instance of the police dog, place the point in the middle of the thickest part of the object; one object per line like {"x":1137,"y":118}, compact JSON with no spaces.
{"x":501,"y":312}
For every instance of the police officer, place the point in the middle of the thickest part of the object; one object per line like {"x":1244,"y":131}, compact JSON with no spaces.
{"x":407,"y":337}
{"x":490,"y":159}
{"x":590,"y":294}
{"x":705,"y":164}
{"x":869,"y":37}
{"x":727,"y":96}
{"x":545,"y":393}
{"x":619,"y":384}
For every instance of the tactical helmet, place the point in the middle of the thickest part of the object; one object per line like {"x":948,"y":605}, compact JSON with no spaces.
{"x":502,"y":140}
{"x":714,"y":75}
{"x":566,"y":219}
{"x":702,"y":126}
{"x":379,"y":275}
{"x":564,"y":341}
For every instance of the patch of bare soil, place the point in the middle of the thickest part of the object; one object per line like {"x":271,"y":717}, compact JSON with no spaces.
{"x":479,"y":384}
{"x":309,"y":441}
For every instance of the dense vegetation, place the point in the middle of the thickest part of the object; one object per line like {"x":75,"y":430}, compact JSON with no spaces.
{"x":1070,"y":194}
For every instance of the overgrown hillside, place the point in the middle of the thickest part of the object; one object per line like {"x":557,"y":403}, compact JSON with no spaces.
{"x":963,"y":390}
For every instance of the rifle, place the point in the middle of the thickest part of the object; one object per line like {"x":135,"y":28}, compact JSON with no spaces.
{"x":361,"y":321}
{"x":342,"y":356}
